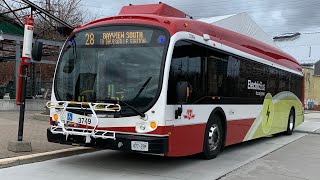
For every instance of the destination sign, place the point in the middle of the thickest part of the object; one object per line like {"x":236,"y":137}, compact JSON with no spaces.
{"x":117,"y":37}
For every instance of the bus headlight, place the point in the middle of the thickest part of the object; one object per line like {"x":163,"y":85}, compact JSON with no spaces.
{"x":146,"y":126}
{"x":142,"y":127}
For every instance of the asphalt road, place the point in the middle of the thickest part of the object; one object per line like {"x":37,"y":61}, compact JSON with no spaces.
{"x":118,"y":165}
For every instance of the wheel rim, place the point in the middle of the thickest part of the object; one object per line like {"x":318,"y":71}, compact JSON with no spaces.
{"x":291,"y":122}
{"x":214,"y":137}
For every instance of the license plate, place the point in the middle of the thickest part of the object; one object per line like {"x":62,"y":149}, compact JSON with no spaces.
{"x":139,"y":146}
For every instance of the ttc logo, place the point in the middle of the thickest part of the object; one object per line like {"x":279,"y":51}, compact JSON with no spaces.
{"x":189,"y":115}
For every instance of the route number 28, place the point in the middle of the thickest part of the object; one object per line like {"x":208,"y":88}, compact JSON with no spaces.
{"x":90,"y":39}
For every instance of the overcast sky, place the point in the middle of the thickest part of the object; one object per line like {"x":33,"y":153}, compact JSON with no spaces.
{"x":273,"y":16}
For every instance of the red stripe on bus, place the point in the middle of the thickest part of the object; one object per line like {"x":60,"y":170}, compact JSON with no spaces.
{"x":237,"y":130}
{"x":183,"y":140}
{"x":186,"y":140}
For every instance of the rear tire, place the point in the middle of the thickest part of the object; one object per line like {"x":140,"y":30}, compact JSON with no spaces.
{"x":291,"y":121}
{"x":213,"y":138}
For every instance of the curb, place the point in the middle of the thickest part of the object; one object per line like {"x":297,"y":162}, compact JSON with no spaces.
{"x":27,"y":159}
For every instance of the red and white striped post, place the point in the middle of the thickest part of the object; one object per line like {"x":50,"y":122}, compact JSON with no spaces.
{"x":24,"y":65}
{"x":26,"y":55}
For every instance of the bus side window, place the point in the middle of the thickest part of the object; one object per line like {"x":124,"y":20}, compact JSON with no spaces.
{"x":255,"y":72}
{"x":223,"y":75}
{"x":213,"y":77}
{"x":296,"y":84}
{"x":273,"y":81}
{"x":188,"y":62}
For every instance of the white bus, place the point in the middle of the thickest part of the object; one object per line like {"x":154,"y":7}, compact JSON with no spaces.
{"x":150,"y":80}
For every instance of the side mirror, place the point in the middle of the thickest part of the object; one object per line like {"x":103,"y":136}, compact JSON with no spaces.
{"x":183,"y":91}
{"x":37,"y":51}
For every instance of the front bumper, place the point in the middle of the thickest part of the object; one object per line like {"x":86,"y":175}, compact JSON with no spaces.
{"x":157,"y":145}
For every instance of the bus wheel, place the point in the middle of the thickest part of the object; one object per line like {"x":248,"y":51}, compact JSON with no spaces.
{"x":213,"y":138}
{"x":291,"y":121}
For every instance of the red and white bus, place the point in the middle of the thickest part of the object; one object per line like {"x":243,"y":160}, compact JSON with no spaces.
{"x":151,"y":80}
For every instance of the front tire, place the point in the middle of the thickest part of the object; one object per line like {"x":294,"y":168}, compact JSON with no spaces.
{"x":213,"y":138}
{"x":291,"y":121}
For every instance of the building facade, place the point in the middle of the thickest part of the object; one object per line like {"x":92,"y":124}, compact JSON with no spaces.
{"x":312,"y":89}
{"x":40,"y":74}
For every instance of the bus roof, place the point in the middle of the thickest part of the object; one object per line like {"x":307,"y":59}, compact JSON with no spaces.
{"x":175,"y":20}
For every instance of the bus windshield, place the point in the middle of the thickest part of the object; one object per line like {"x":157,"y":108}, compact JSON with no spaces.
{"x":112,"y":62}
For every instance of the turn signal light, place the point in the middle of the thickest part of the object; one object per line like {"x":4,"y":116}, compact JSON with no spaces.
{"x":153,"y":124}
{"x":55,"y":117}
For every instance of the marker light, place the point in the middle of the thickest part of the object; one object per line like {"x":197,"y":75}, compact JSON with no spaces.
{"x":72,"y":41}
{"x":162,"y":39}
{"x":55,"y":117}
{"x":153,"y":124}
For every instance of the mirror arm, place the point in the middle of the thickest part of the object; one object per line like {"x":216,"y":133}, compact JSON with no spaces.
{"x":183,"y":92}
{"x":178,"y":112}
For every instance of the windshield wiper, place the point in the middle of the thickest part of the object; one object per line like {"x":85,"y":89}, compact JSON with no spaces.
{"x":142,"y":88}
{"x":117,"y":102}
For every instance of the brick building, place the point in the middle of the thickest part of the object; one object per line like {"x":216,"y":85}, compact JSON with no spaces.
{"x":7,"y":55}
{"x":40,"y":74}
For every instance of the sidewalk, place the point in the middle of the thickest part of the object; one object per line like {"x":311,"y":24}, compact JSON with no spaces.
{"x":34,"y":131}
{"x":297,"y":160}
{"x":311,"y":123}
{"x":306,"y":111}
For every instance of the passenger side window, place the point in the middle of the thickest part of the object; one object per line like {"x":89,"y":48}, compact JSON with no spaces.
{"x":253,"y":72}
{"x":221,"y":78}
{"x":223,"y":74}
{"x":188,"y":63}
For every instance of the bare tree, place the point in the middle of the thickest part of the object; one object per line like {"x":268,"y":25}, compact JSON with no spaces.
{"x":70,"y":11}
